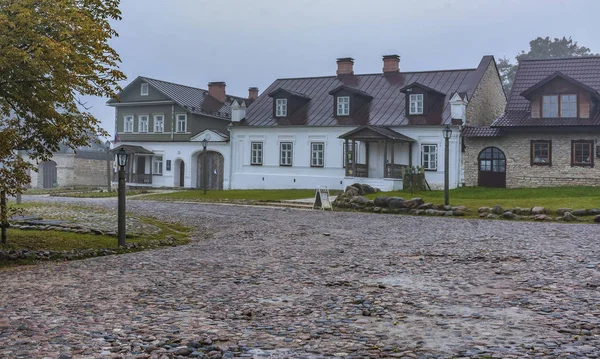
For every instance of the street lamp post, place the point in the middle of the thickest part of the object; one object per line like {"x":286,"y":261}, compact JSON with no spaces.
{"x":447,"y":132}
{"x":122,"y":228}
{"x":204,"y":177}
{"x":108,"y":167}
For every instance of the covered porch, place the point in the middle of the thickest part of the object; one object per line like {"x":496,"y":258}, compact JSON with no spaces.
{"x":376,"y":155}
{"x":139,"y":165}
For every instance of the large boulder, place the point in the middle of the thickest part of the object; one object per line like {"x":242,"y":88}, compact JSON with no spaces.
{"x":360,"y":188}
{"x":381,"y":201}
{"x":542,"y":217}
{"x":413,"y":203}
{"x":579,"y":212}
{"x":562,"y":211}
{"x":593,"y":212}
{"x":360,"y":200}
{"x":484,"y":210}
{"x":509,"y":215}
{"x":395,"y":202}
{"x":568,"y":217}
{"x":538,"y":210}
{"x":352,"y":191}
{"x":368,"y":189}
{"x":597,"y":219}
{"x":497,"y":209}
{"x":426,"y":206}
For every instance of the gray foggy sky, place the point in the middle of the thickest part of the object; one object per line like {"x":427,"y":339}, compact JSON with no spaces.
{"x":251,"y":43}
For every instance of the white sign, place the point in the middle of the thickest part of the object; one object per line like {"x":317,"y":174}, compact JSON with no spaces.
{"x":322,"y":198}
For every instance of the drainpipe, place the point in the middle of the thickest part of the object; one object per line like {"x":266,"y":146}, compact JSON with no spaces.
{"x":172,"y":122}
{"x":231,"y":142}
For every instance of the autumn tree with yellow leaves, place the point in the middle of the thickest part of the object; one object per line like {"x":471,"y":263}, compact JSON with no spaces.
{"x":52,"y":53}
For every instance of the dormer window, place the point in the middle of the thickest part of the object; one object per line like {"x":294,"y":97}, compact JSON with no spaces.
{"x":343,"y":105}
{"x":416,"y":104}
{"x":144,"y":89}
{"x":559,"y":106}
{"x":281,"y":107}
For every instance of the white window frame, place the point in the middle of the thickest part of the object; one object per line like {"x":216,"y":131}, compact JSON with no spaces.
{"x":281,"y":107}
{"x":256,"y":153}
{"x":143,"y":119}
{"x":144,"y":89}
{"x":158,"y":129}
{"x":128,"y":123}
{"x":317,"y":156}
{"x":548,"y":104}
{"x":157,"y":165}
{"x":426,"y":162}
{"x":181,"y":118}
{"x":343,"y":106}
{"x":416,"y":102}
{"x":286,"y":153}
{"x":570,"y":105}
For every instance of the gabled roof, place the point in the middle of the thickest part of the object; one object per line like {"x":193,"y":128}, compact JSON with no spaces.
{"x":351,"y":90}
{"x":133,"y":149}
{"x":194,"y":100}
{"x":387,"y":107}
{"x":289,"y":92}
{"x":407,"y":88}
{"x":583,"y":71}
{"x":379,"y":131}
{"x":554,"y":75}
{"x":482,"y":132}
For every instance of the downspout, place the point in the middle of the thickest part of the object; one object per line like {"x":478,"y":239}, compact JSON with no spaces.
{"x":231,"y":142}
{"x":172,"y":122}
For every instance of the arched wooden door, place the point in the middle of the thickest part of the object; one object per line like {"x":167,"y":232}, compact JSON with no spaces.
{"x":182,"y":174}
{"x":214,"y":170}
{"x":492,"y":168}
{"x":49,"y":174}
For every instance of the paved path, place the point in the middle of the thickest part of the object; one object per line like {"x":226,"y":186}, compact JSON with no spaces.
{"x":264,"y":282}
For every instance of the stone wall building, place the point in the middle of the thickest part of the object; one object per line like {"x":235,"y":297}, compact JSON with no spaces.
{"x":90,"y":166}
{"x":549,"y":133}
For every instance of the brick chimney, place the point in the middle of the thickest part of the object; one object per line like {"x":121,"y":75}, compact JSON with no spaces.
{"x":217,"y":90}
{"x":345,"y":66}
{"x":253,"y":93}
{"x":391,"y":64}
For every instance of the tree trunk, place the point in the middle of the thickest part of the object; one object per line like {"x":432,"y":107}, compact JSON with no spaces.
{"x":3,"y":216}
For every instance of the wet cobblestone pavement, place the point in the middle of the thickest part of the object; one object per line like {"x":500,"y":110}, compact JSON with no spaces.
{"x":308,"y":284}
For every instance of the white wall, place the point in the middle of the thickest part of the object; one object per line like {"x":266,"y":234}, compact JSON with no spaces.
{"x":300,"y":175}
{"x":188,"y":153}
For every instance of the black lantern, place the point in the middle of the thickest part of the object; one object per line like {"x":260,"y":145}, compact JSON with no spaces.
{"x":122,"y":157}
{"x":447,"y":131}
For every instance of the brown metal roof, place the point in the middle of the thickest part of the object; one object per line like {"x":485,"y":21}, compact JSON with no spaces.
{"x":380,"y":132}
{"x":133,"y":149}
{"x":387,"y":107}
{"x":482,"y":132}
{"x":585,"y":70}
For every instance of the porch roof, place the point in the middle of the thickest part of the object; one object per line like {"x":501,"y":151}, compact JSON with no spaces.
{"x":138,"y":150}
{"x":375,"y":133}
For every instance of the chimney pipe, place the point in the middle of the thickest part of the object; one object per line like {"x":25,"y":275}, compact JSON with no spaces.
{"x":217,"y":90}
{"x":253,"y":93}
{"x":391,"y":64}
{"x":238,"y":111}
{"x":345,"y":66}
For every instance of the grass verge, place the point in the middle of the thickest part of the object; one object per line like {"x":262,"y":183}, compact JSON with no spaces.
{"x":234,"y":196}
{"x":475,"y":197}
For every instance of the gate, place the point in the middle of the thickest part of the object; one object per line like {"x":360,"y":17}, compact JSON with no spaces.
{"x":492,"y":168}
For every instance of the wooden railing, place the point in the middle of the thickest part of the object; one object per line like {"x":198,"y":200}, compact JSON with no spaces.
{"x":361,"y":171}
{"x":394,"y":171}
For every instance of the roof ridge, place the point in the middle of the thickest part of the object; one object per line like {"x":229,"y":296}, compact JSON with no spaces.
{"x":565,"y":58}
{"x":376,"y":73}
{"x":191,"y":87}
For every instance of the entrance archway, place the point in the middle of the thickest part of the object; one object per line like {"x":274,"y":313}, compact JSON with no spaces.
{"x":49,"y":174}
{"x":492,"y":168}
{"x":179,"y":173}
{"x":214,"y":170}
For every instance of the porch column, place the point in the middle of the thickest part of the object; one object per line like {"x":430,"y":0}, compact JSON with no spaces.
{"x":392,"y":167}
{"x":353,"y":158}
{"x":346,"y":153}
{"x":385,"y":151}
{"x":367,"y":157}
{"x":410,"y":146}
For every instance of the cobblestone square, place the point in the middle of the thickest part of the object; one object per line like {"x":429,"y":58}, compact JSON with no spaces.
{"x":269,"y":282}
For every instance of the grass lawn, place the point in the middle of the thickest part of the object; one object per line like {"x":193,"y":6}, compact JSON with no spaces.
{"x":234,"y":196}
{"x":475,"y":197}
{"x":96,"y":194}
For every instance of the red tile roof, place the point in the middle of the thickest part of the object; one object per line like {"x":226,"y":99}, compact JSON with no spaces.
{"x":585,"y":70}
{"x":387,"y":107}
{"x":482,"y":132}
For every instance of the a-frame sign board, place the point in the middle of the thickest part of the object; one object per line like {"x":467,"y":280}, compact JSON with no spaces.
{"x":322,"y":199}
